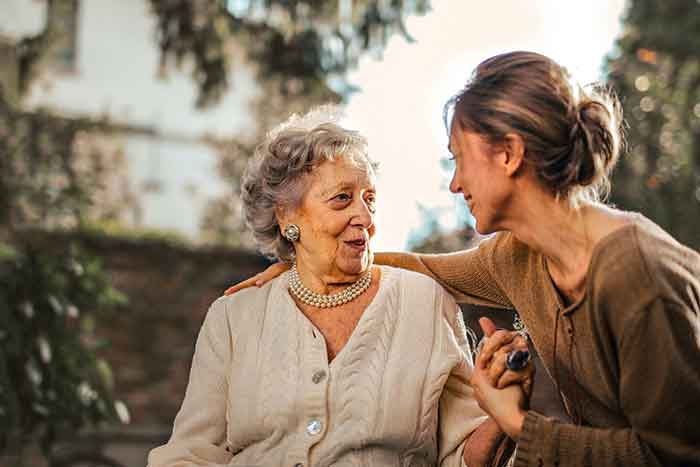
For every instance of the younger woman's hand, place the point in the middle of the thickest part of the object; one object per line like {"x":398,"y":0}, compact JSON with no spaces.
{"x":259,"y":279}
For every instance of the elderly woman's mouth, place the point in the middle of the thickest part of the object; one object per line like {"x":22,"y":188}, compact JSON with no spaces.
{"x":359,"y":244}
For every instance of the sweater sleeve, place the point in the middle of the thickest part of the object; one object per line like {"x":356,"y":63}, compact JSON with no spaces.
{"x":468,"y":275}
{"x":199,"y":431}
{"x":659,"y":360}
{"x":458,"y":412}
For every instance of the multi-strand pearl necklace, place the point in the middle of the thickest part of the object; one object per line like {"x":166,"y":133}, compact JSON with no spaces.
{"x":308,"y":296}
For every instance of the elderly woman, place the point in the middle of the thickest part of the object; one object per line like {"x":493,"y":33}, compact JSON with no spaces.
{"x":337,"y":361}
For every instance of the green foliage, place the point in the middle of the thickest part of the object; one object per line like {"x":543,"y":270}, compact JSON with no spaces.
{"x":300,"y":41}
{"x":656,"y":71}
{"x":115,"y":229}
{"x":50,"y":377}
{"x":431,"y":238}
{"x":44,"y":181}
{"x":51,"y":380}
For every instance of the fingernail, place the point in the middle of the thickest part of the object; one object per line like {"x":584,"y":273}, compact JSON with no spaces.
{"x":258,"y":283}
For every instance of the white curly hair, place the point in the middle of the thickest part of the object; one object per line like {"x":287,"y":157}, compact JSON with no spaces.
{"x":277,"y":173}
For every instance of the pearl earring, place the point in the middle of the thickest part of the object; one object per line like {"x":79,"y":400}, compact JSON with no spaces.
{"x":291,"y":232}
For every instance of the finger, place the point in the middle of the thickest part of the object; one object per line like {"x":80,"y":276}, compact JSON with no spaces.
{"x":520,"y":343}
{"x":507,"y":378}
{"x":497,"y":340}
{"x":278,"y":268}
{"x":250,"y":282}
{"x":259,"y":279}
{"x":497,"y":367}
{"x":519,"y":339}
{"x":477,"y":377}
{"x":484,"y":359}
{"x":522,"y":377}
{"x":493,"y":362}
{"x":487,"y":326}
{"x":479,"y":361}
{"x":527,"y":387}
{"x":512,"y":377}
{"x":271,"y":272}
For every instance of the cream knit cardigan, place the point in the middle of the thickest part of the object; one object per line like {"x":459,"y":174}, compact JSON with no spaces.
{"x":261,"y":391}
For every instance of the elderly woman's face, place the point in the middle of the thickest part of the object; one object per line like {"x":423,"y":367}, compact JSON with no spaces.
{"x":336,"y":218}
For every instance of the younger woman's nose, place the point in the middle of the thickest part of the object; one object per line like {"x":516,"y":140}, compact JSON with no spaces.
{"x":454,"y":184}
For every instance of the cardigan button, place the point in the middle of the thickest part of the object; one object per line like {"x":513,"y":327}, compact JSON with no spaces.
{"x":314,"y":427}
{"x":318,"y":376}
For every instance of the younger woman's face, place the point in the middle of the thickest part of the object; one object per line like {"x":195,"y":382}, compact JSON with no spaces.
{"x":480,"y":178}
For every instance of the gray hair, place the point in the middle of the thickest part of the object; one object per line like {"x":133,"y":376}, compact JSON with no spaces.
{"x":276,"y":177}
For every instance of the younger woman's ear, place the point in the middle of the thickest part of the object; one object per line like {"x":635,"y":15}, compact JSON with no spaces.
{"x":514,"y":150}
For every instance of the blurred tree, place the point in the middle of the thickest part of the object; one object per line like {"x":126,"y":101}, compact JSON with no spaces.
{"x":52,"y":170}
{"x":304,"y":42}
{"x":50,"y":295}
{"x":51,"y":380}
{"x":222,"y":222}
{"x":34,"y":51}
{"x":655,"y":68}
{"x":432,"y":238}
{"x":298,"y":46}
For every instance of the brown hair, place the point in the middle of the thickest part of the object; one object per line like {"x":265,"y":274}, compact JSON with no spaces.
{"x":572,"y":135}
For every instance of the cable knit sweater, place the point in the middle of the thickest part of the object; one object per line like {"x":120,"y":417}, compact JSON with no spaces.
{"x":626,"y":356}
{"x":261,"y":391}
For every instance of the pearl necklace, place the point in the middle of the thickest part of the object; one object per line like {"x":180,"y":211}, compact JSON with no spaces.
{"x":308,"y":296}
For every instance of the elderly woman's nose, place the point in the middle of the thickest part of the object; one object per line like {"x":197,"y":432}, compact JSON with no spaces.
{"x":364,"y":214}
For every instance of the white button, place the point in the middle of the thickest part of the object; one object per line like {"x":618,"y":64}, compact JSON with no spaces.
{"x":314,"y":427}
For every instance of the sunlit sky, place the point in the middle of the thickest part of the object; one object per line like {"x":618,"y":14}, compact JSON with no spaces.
{"x":399,"y":107}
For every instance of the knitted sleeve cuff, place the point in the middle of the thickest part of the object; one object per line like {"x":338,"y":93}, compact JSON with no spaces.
{"x":527,"y":447}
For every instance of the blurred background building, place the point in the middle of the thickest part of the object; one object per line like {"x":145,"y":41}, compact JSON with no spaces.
{"x":125,"y":126}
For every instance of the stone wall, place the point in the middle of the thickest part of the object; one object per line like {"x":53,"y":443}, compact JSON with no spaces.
{"x":150,"y":341}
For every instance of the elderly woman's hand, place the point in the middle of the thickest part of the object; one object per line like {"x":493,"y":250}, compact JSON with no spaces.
{"x":506,"y":406}
{"x":502,"y":393}
{"x":259,"y":279}
{"x":492,"y":356}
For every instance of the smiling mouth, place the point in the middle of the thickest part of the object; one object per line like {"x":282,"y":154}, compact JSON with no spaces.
{"x":359,"y":244}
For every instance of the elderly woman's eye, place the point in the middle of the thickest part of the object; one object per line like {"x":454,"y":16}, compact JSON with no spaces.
{"x":371,"y":202}
{"x":343,"y":197}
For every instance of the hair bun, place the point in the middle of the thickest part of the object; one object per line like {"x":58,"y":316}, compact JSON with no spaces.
{"x":594,"y":139}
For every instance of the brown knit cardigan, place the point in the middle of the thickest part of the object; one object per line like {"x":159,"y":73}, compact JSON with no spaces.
{"x":626,"y":357}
